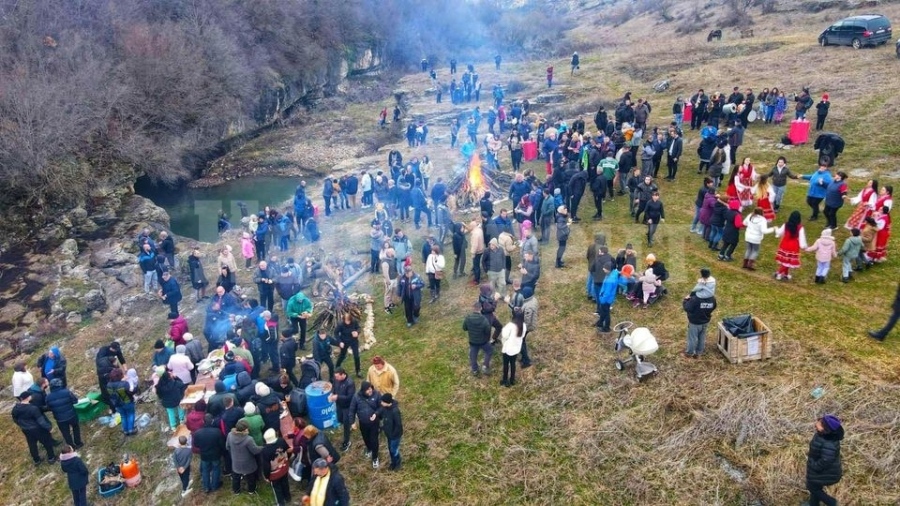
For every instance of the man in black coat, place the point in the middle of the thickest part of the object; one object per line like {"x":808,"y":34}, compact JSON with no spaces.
{"x":576,"y":186}
{"x":108,"y":357}
{"x":35,"y":426}
{"x":478,"y":327}
{"x":336,"y":491}
{"x":673,"y":153}
{"x":392,"y":426}
{"x":895,"y":315}
{"x":341,"y":395}
{"x":61,"y":402}
{"x":287,"y":354}
{"x":170,"y":293}
{"x":210,"y":442}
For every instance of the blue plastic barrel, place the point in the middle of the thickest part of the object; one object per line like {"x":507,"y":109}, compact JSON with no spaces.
{"x":322,"y":412}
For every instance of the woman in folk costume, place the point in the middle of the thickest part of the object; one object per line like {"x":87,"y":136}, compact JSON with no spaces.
{"x":883,"y":224}
{"x":745,"y":182}
{"x":885,"y":198}
{"x":765,"y":198}
{"x":793,"y":238}
{"x":865,"y":204}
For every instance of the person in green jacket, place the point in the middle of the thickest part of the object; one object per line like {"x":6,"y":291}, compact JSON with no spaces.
{"x":298,"y":310}
{"x":848,"y":253}
{"x":255,"y":422}
{"x":610,"y":168}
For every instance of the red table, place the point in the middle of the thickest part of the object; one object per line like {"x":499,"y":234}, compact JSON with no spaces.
{"x":529,"y":150}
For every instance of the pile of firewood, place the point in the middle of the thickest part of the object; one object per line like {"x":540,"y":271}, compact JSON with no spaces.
{"x":465,"y":196}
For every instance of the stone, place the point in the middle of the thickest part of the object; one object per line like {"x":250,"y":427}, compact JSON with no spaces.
{"x":12,"y":312}
{"x":69,"y":248}
{"x":139,"y":304}
{"x":30,"y":318}
{"x":94,"y":300}
{"x":109,"y":253}
{"x":73,"y":317}
{"x":27,"y":343}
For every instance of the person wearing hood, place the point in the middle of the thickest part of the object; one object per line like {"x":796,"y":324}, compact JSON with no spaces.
{"x":823,"y":462}
{"x":177,"y":329}
{"x":53,"y":365}
{"x":246,"y":388}
{"x":61,"y":402}
{"x":34,"y":426}
{"x":826,"y":250}
{"x":363,"y":407}
{"x":181,"y":365}
{"x":77,"y":475}
{"x":243,"y":457}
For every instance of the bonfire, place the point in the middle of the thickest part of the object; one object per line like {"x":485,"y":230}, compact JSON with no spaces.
{"x":471,"y":183}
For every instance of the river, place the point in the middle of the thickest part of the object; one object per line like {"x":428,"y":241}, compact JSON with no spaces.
{"x":193,"y":212}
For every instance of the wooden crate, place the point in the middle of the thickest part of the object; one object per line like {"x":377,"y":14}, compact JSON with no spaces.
{"x":739,"y":350}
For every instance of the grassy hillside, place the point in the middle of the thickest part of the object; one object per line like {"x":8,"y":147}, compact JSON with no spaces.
{"x":574,"y":429}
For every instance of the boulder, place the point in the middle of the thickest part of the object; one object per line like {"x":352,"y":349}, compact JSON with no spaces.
{"x":139,"y":304}
{"x":110,"y":253}
{"x":73,"y":317}
{"x":69,"y":248}
{"x":94,"y":300}
{"x":27,"y":343}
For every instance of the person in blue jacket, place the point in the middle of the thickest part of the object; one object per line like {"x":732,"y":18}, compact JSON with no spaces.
{"x":420,"y":205}
{"x":171,"y":293}
{"x":607,"y":296}
{"x":818,"y":186}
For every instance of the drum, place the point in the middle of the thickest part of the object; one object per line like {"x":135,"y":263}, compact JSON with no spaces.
{"x":751,"y":116}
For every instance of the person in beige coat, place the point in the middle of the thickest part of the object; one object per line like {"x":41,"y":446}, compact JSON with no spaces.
{"x":476,"y":246}
{"x":383,"y":377}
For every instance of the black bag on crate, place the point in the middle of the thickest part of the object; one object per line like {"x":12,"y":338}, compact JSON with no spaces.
{"x":740,"y":325}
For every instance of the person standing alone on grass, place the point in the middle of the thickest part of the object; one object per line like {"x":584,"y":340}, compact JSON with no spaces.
{"x":879,"y":335}
{"x":822,"y":111}
{"x":181,"y":458}
{"x":699,"y":312}
{"x":77,"y":475}
{"x":655,"y":214}
{"x":823,"y":462}
{"x":562,"y":234}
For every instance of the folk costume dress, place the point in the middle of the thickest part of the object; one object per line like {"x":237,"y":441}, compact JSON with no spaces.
{"x":745,"y":184}
{"x":788,"y":256}
{"x":766,"y":203}
{"x":865,"y":204}
{"x":883,"y":220}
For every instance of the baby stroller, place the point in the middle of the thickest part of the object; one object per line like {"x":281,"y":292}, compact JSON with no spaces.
{"x":639,"y":344}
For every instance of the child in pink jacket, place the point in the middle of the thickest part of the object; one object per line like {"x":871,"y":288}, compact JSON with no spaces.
{"x":248,"y":249}
{"x":825,"y":250}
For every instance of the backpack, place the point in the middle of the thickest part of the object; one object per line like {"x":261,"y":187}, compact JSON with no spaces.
{"x":278,"y":465}
{"x":488,"y":305}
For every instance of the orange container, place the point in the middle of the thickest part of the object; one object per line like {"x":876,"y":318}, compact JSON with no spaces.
{"x":131,"y":473}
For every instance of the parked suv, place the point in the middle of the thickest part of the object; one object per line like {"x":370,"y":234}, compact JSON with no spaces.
{"x":858,"y":31}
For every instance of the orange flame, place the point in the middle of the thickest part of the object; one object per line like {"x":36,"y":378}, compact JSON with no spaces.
{"x":476,"y":181}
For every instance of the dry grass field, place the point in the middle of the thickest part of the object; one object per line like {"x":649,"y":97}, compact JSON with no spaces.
{"x":574,"y":430}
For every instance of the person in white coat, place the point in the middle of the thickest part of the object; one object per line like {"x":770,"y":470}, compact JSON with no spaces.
{"x":21,"y":378}
{"x":434,"y":268}
{"x":755,"y":228}
{"x":511,"y":338}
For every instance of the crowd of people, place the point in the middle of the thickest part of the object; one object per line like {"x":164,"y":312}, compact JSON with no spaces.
{"x":238,"y":433}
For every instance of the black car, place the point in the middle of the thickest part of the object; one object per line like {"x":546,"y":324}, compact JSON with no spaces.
{"x":858,"y":31}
